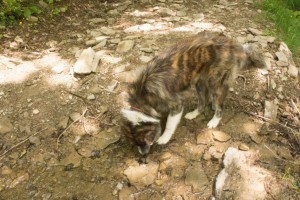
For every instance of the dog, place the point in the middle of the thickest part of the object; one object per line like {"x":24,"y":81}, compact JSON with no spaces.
{"x":209,"y":61}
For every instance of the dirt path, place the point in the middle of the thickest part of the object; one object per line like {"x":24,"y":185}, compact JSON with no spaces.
{"x":66,"y":128}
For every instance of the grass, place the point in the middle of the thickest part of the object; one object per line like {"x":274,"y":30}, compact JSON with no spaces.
{"x":286,"y":15}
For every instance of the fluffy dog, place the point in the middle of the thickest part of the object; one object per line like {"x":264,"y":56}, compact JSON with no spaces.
{"x":209,"y":60}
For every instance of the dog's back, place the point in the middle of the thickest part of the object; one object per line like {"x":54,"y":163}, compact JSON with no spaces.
{"x":207,"y":57}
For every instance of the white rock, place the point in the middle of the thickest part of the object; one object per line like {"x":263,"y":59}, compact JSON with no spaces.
{"x":255,"y":31}
{"x":293,"y":71}
{"x":97,"y":20}
{"x":58,"y":69}
{"x":145,"y":59}
{"x":112,"y":86}
{"x":84,"y":63}
{"x":270,"y":110}
{"x":125,"y":46}
{"x":107,"y":31}
{"x":281,"y":57}
{"x":35,"y":111}
{"x":91,"y":97}
{"x":96,"y":60}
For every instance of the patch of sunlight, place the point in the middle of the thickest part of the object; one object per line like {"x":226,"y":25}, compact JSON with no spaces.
{"x":51,"y":60}
{"x":138,"y":13}
{"x":250,"y":128}
{"x":157,"y":26}
{"x":107,"y":58}
{"x":12,"y":73}
{"x":199,"y":26}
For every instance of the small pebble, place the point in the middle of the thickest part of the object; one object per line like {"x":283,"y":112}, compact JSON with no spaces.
{"x":35,"y":111}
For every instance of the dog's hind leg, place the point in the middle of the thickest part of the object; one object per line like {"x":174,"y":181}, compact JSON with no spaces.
{"x":171,"y":125}
{"x":219,"y":96}
{"x":202,"y":93}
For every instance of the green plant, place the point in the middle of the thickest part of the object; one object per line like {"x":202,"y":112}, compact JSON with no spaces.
{"x":288,"y":176}
{"x":286,"y":20}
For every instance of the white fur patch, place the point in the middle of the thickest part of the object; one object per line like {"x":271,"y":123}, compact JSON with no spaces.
{"x":172,"y":122}
{"x":136,"y":117}
{"x":214,"y":122}
{"x":192,"y":115}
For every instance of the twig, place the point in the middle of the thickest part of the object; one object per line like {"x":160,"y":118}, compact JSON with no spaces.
{"x":20,"y":143}
{"x":79,"y":118}
{"x":279,"y":157}
{"x":272,"y":121}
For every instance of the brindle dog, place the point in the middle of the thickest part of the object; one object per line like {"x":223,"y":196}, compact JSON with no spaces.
{"x":209,"y":60}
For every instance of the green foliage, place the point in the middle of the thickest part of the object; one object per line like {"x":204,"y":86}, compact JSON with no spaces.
{"x":287,"y":21}
{"x":12,"y":11}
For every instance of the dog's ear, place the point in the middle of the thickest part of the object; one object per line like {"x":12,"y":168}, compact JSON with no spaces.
{"x":136,"y":117}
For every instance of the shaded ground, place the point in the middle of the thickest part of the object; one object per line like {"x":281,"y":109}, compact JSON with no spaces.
{"x":78,"y":152}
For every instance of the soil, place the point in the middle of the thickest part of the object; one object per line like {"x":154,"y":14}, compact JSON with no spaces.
{"x":66,"y":141}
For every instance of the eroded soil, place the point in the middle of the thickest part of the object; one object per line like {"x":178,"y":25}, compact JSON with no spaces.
{"x":65,"y":140}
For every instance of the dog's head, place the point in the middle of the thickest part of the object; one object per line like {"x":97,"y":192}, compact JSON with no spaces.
{"x":142,"y":129}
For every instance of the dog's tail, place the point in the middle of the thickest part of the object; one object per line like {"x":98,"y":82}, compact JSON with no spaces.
{"x":254,"y":57}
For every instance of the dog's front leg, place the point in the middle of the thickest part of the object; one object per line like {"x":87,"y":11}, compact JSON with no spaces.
{"x":172,"y":122}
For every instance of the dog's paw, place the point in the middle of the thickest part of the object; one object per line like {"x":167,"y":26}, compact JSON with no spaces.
{"x":163,"y":140}
{"x":214,"y":122}
{"x":191,"y":115}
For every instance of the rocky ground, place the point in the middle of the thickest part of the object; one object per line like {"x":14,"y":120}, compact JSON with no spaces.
{"x":59,"y":131}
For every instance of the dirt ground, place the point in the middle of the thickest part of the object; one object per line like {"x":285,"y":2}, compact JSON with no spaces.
{"x":64,"y":139}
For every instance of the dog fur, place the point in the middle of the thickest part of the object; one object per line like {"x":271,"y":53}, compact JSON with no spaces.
{"x":209,"y":60}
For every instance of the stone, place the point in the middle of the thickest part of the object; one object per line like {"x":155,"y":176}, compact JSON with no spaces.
{"x":125,"y":46}
{"x":293,"y":71}
{"x":97,"y":20}
{"x":255,"y":138}
{"x":243,"y":147}
{"x":196,"y":177}
{"x":35,"y":140}
{"x":58,"y":69}
{"x":241,"y":40}
{"x":270,"y":110}
{"x":146,"y":59}
{"x":35,"y":111}
{"x":254,"y":31}
{"x":5,"y":125}
{"x":221,"y":136}
{"x":75,"y":116}
{"x":73,"y":159}
{"x":142,"y":175}
{"x":166,"y":12}
{"x":239,"y":173}
{"x":96,"y":60}
{"x":205,"y":137}
{"x":100,"y":45}
{"x":91,"y":42}
{"x":112,"y":86}
{"x":281,"y":64}
{"x":43,"y":4}
{"x":63,"y":123}
{"x":46,"y":196}
{"x":113,"y":12}
{"x":115,"y":41}
{"x":281,"y":57}
{"x":127,"y":193}
{"x":107,"y":31}
{"x":91,"y":97}
{"x":84,"y":63}
{"x":146,"y":50}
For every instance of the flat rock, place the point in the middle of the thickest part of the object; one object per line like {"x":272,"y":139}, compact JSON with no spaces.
{"x":196,"y":177}
{"x":146,"y":59}
{"x":205,"y":137}
{"x":281,"y":56}
{"x":73,"y":158}
{"x":91,"y":97}
{"x":96,"y":20}
{"x":84,"y":63}
{"x":75,"y":116}
{"x":127,"y":193}
{"x":243,"y":147}
{"x":5,"y":125}
{"x":293,"y":71}
{"x":142,"y":175}
{"x":112,"y":86}
{"x":105,"y":138}
{"x":35,"y":140}
{"x":63,"y":123}
{"x":240,"y":175}
{"x":107,"y":31}
{"x":271,"y":109}
{"x":220,"y":136}
{"x":22,"y":178}
{"x":125,"y":46}
{"x":254,"y":31}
